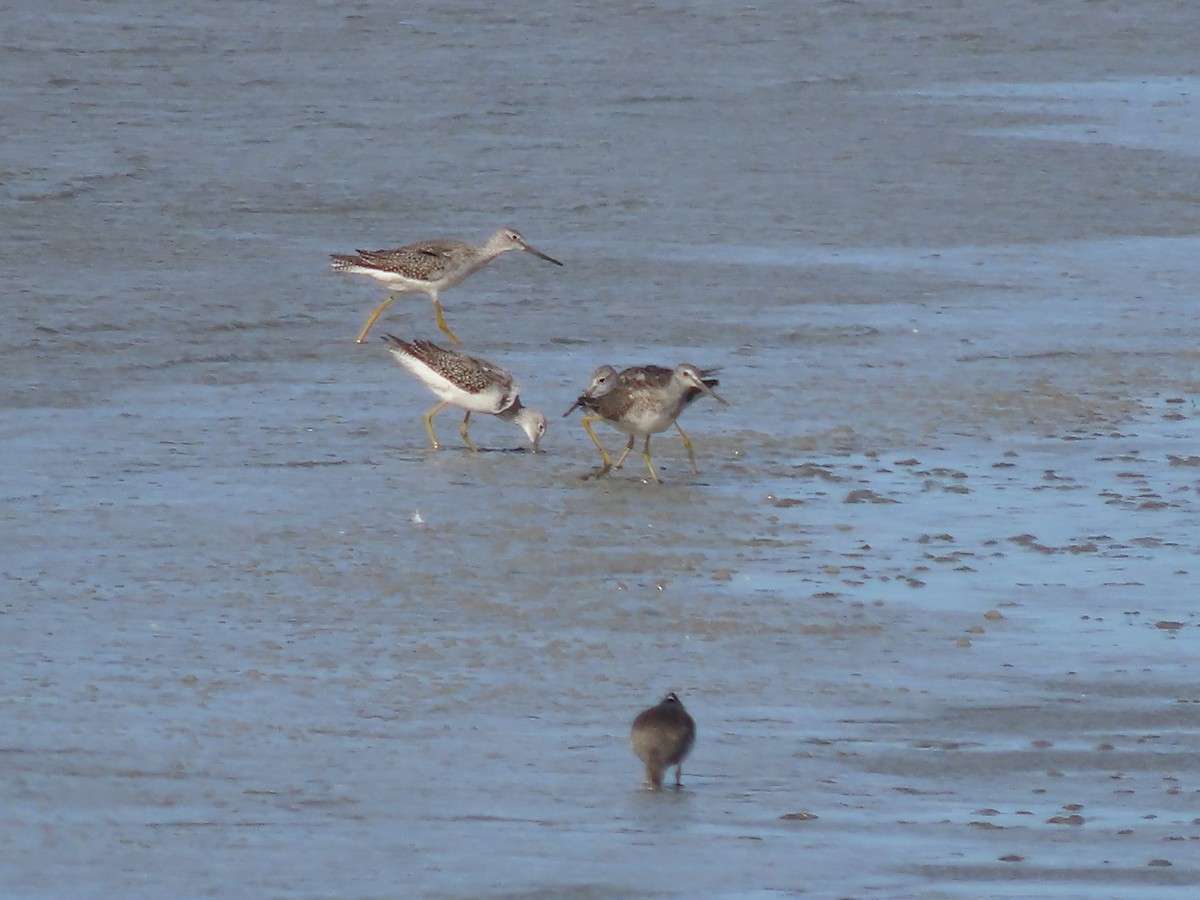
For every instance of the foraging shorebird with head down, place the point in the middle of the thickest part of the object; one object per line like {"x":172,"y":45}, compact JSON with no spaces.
{"x":469,"y":383}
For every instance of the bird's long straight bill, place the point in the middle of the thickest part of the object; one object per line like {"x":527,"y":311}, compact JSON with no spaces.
{"x":540,"y":255}
{"x":704,"y":387}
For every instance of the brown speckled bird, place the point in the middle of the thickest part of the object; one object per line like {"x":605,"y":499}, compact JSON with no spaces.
{"x":662,"y":736}
{"x":429,"y":267}
{"x":642,"y":401}
{"x":470,"y":383}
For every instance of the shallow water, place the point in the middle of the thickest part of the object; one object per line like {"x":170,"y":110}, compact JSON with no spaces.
{"x":930,"y":598}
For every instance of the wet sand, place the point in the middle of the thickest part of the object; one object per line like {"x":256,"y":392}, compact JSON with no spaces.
{"x":929,"y":598}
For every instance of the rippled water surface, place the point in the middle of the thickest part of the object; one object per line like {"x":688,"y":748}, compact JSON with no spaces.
{"x":931,"y":598}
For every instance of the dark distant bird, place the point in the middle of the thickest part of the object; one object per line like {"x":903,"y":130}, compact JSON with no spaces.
{"x":469,"y":383}
{"x":662,"y":736}
{"x":641,"y":401}
{"x":429,"y":267}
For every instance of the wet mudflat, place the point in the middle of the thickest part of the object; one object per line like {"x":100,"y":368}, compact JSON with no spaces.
{"x":930,"y":598}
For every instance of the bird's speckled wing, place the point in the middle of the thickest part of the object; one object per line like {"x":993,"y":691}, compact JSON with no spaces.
{"x":652,"y":376}
{"x":470,"y":373}
{"x":660,"y":376}
{"x":613,"y":406}
{"x":423,"y":261}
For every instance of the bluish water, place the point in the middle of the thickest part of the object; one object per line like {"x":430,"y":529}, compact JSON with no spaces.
{"x":932,"y":586}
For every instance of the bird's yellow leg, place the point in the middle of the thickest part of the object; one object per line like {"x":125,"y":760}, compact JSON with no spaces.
{"x":437,"y":308}
{"x":620,"y":462}
{"x":587,"y":426}
{"x":687,"y":445}
{"x":362,"y":335}
{"x":463,"y":431}
{"x":646,"y":457}
{"x":429,"y":424}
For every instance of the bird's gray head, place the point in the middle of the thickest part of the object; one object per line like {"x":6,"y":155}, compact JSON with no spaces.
{"x":672,"y":700}
{"x":533,"y":423}
{"x":510,"y":239}
{"x":603,"y":380}
{"x":690,"y":375}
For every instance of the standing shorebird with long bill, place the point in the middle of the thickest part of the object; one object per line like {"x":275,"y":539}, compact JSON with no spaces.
{"x":641,"y":401}
{"x":429,"y":267}
{"x":470,"y":383}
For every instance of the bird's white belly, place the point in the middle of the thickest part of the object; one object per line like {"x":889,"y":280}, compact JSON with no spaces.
{"x":644,"y":422}
{"x":485,"y":402}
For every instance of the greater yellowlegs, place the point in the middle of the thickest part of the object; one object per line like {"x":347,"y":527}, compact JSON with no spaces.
{"x":429,"y":267}
{"x":662,"y":736}
{"x":471,"y":384}
{"x":641,"y":401}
